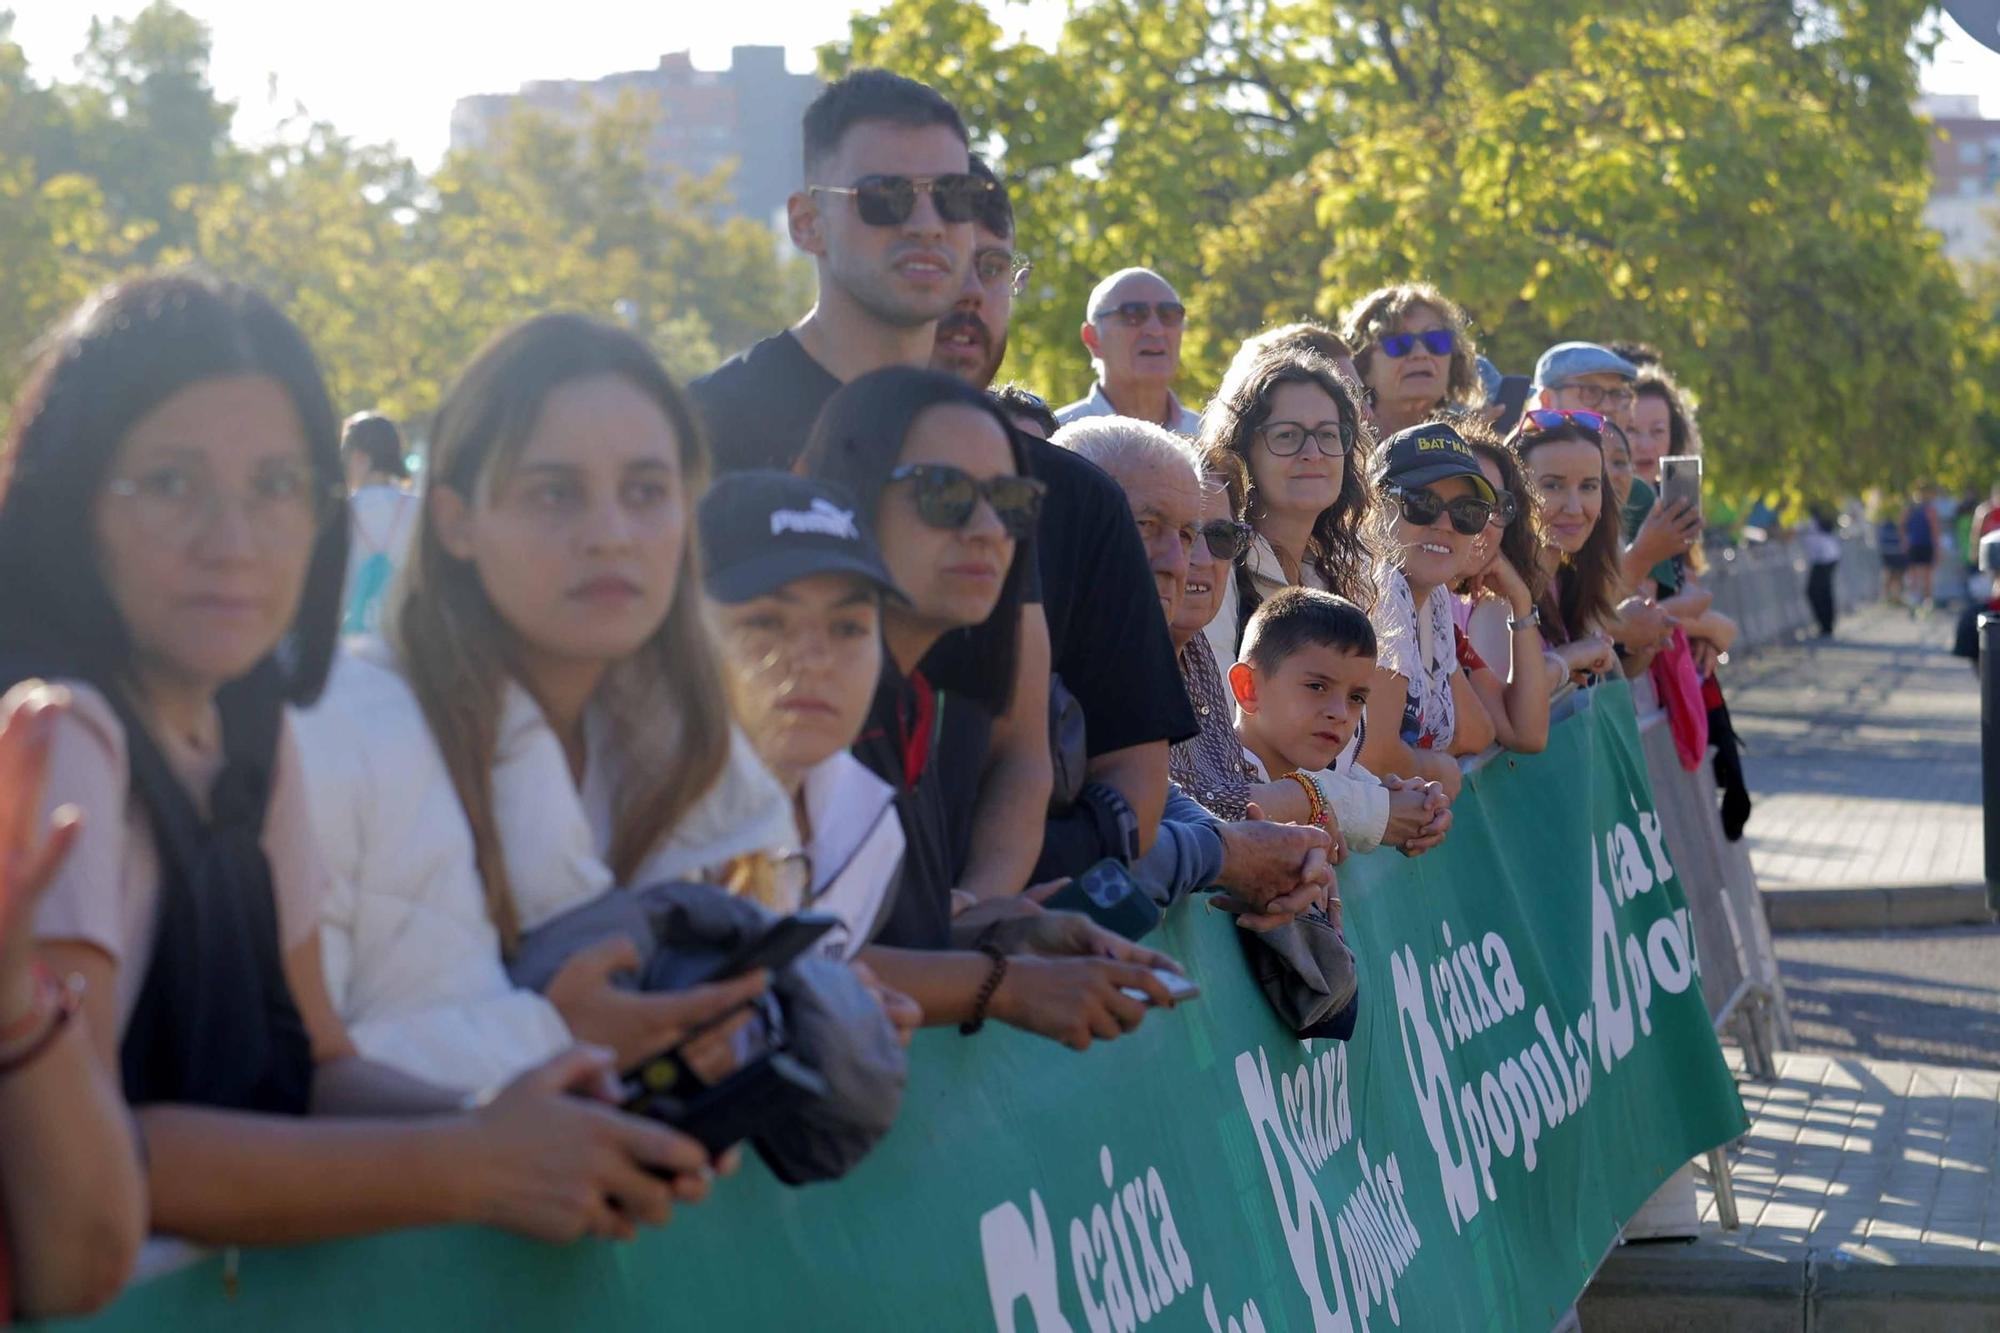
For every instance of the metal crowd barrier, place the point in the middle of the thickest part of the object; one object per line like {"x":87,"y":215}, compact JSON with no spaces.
{"x":1762,"y":587}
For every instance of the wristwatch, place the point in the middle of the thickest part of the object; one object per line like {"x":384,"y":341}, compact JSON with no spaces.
{"x":1532,"y":619}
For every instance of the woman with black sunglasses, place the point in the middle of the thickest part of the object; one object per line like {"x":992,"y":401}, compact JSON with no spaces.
{"x":1414,"y":349}
{"x":941,"y":482}
{"x":1423,"y":712}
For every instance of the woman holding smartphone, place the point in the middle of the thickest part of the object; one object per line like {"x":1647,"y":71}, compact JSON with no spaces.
{"x":174,"y":540}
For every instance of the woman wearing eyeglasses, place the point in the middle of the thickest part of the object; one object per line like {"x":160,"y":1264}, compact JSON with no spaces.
{"x":1423,"y":712}
{"x":1415,"y":352}
{"x":1367,"y":812}
{"x":1290,"y":421}
{"x":174,"y":542}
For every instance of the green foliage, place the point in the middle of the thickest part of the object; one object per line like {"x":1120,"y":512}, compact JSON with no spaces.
{"x":396,"y":277}
{"x":1739,"y":182}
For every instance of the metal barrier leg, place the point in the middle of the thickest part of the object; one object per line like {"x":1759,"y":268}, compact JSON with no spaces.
{"x":1725,"y":1192}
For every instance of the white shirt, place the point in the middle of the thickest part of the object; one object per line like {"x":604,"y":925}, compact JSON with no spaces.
{"x":1181,"y":421}
{"x":1268,"y":578}
{"x":856,"y":849}
{"x":1418,"y":644}
{"x":1359,"y":801}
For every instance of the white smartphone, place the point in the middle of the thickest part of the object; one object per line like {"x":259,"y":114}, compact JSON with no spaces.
{"x":1680,"y":479}
{"x":1177,"y":986}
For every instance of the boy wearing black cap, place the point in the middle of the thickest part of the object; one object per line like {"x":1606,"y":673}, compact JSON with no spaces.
{"x":1423,"y":710}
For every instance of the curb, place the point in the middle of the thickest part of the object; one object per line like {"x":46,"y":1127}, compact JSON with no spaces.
{"x":1890,"y":907}
{"x":1710,"y":1286}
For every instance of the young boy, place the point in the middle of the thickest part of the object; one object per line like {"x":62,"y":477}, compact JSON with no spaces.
{"x":1301,"y":692}
{"x":796,"y":590}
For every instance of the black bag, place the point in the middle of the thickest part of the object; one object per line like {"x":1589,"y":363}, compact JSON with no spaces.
{"x":832,"y":1025}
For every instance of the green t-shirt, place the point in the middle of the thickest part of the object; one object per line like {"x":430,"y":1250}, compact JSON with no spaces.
{"x":1638,"y":504}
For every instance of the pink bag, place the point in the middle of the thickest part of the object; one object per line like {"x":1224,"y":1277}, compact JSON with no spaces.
{"x":1679,"y":688}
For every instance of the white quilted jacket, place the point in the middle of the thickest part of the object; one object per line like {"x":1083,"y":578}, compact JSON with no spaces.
{"x":412,"y":961}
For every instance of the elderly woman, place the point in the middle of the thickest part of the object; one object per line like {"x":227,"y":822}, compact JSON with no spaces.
{"x":1415,"y":352}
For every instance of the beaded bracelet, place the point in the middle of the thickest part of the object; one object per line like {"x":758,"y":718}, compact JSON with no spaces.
{"x":987,"y":990}
{"x":1315,"y":798}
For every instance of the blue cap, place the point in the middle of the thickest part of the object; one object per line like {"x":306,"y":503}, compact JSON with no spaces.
{"x":1566,"y":361}
{"x":1416,"y":457}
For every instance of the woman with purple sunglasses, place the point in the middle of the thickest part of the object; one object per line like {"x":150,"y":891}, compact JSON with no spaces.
{"x":1415,"y":353}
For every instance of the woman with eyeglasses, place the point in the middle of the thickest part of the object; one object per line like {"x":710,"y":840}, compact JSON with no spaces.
{"x":1423,"y":713}
{"x":1562,"y":453}
{"x":1498,"y":588}
{"x":1414,"y":349}
{"x":1293,"y":426}
{"x":1367,"y":812}
{"x":174,"y":541}
{"x":941,"y":483}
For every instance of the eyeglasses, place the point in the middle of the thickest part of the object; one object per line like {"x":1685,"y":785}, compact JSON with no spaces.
{"x":1597,"y":395}
{"x":1547,"y":420}
{"x":888,"y":201}
{"x":1133,"y":314}
{"x":1469,"y":514}
{"x":1288,"y":438}
{"x":947,"y":497}
{"x":1226,"y":538}
{"x":1438,"y":342}
{"x":1505,"y":510}
{"x":992,"y":265}
{"x":174,"y":501}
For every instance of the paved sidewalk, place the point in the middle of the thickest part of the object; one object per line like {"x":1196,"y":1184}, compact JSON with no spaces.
{"x":1867,"y":1198}
{"x":1863,"y":758}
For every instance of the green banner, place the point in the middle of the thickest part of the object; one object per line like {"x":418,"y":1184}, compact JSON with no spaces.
{"x":1532,"y":1060}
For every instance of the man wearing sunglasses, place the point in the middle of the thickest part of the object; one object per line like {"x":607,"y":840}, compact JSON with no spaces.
{"x":1132,"y":330}
{"x":1108,"y":647}
{"x":886,"y":213}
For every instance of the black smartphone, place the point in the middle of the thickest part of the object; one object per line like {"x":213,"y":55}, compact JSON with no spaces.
{"x":785,"y":940}
{"x":1108,"y":894}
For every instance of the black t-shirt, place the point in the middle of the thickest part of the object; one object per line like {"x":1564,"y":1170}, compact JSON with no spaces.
{"x":1107,"y":637}
{"x":760,"y":405}
{"x":899,"y":744}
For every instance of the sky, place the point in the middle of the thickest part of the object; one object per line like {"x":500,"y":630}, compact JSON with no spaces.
{"x":388,"y":71}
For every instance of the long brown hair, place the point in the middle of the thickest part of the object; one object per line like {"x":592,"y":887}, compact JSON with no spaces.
{"x":668,"y":699}
{"x":1521,"y":540}
{"x":1339,"y":546}
{"x":1586,"y":596}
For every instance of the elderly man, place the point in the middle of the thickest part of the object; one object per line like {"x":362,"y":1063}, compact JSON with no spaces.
{"x":1284,"y":868}
{"x":1132,"y":329}
{"x":1585,"y":377}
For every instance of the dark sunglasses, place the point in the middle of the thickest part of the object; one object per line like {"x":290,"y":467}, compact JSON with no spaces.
{"x":947,"y":497}
{"x":888,"y":201}
{"x":1438,"y":342}
{"x":1226,"y":538}
{"x":1469,"y":514}
{"x":1133,"y":314}
{"x":1546,"y":420}
{"x":1506,"y":510}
